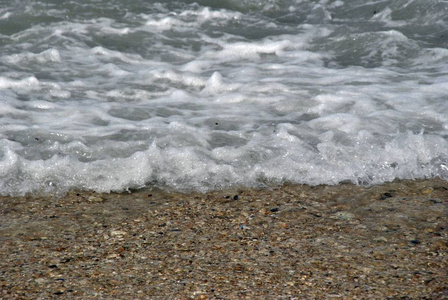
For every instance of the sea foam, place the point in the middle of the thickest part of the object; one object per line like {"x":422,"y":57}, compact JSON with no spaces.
{"x":200,"y":96}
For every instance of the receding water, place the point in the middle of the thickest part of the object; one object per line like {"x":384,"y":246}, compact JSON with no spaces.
{"x":113,"y":95}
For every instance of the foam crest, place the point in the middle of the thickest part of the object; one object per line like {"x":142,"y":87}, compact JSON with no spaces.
{"x":47,"y":56}
{"x":241,"y":50}
{"x":54,"y":175}
{"x":205,"y":14}
{"x":110,"y":55}
{"x":29,"y":83}
{"x":191,"y":19}
{"x":182,"y":78}
{"x":6,"y":15}
{"x":216,"y":85}
{"x":190,"y":168}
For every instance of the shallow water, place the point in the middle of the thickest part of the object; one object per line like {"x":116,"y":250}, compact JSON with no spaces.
{"x":111,"y":95}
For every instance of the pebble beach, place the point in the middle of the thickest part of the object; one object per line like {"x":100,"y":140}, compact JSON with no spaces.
{"x":387,"y":241}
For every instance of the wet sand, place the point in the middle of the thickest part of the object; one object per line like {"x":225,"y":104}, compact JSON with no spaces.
{"x":290,"y":242}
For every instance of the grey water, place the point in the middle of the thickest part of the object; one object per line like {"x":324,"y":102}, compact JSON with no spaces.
{"x":200,"y":95}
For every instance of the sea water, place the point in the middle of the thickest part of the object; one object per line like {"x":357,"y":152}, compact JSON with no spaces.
{"x":197,"y":95}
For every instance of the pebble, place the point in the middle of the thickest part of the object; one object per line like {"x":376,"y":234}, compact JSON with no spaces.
{"x":344,"y":215}
{"x":95,"y":199}
{"x":381,"y":239}
{"x":118,"y":233}
{"x":385,"y":196}
{"x":427,"y":191}
{"x":40,"y":280}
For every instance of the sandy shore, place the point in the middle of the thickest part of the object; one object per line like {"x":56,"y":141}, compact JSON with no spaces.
{"x":291,"y":242}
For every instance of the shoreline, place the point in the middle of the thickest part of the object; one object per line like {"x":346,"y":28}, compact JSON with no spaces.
{"x":291,"y":242}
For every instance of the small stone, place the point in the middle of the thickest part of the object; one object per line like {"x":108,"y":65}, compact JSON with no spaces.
{"x":427,"y":191}
{"x":385,"y":196}
{"x":344,"y":215}
{"x":381,"y":239}
{"x":40,"y":280}
{"x":95,"y":199}
{"x":118,"y":233}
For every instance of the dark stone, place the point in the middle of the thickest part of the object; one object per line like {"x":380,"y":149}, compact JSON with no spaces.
{"x":235,"y":197}
{"x":385,"y":196}
{"x":275,"y":209}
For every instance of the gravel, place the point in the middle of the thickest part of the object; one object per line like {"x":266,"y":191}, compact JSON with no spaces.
{"x":291,"y":242}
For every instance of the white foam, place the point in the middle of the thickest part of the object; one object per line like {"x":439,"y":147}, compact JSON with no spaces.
{"x":47,"y":56}
{"x":6,"y":15}
{"x":110,"y":55}
{"x":216,"y":84}
{"x":25,"y":83}
{"x":240,"y":50}
{"x":178,"y":77}
{"x":190,"y":19}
